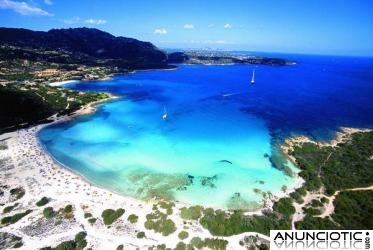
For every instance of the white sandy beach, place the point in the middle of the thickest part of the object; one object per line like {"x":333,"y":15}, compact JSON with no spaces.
{"x":59,"y":84}
{"x":27,"y":165}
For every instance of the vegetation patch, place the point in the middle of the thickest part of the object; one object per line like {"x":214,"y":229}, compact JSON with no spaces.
{"x":225,"y":224}
{"x":33,"y":104}
{"x":68,"y":209}
{"x":49,"y":213}
{"x":167,"y":206}
{"x":132,"y":218}
{"x":183,"y":235}
{"x":43,"y":201}
{"x":8,"y":209}
{"x":92,"y":220}
{"x":337,"y":168}
{"x":87,"y":215}
{"x":159,"y":222}
{"x":17,"y":193}
{"x":191,"y":213}
{"x":140,"y":235}
{"x":78,"y":243}
{"x":209,"y":243}
{"x":353,"y":211}
{"x":14,"y":218}
{"x":110,"y":215}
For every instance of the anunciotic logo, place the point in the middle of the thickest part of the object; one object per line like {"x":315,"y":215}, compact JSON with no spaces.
{"x":321,"y":239}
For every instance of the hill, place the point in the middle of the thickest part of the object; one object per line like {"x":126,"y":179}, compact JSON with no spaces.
{"x":80,"y":46}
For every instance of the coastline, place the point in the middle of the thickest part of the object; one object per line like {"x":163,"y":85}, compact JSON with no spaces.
{"x":340,"y":136}
{"x":61,"y":83}
{"x":40,"y":175}
{"x":31,"y":167}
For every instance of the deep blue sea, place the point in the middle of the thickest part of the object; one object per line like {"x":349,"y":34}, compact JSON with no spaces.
{"x":213,"y":147}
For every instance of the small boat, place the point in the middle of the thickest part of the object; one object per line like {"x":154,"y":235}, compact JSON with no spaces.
{"x":253,"y":77}
{"x":164,"y":116}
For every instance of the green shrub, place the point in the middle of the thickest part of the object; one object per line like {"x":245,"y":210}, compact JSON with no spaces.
{"x":120,"y":247}
{"x":140,"y":235}
{"x":68,"y":209}
{"x":18,"y":245}
{"x":80,"y":236}
{"x":181,"y":246}
{"x":197,"y":242}
{"x":158,"y":222}
{"x":42,"y":201}
{"x":324,"y":200}
{"x":92,"y":220}
{"x":66,"y":245}
{"x":18,"y":192}
{"x":87,"y":215}
{"x":316,"y":203}
{"x":14,"y":218}
{"x":284,"y":206}
{"x":167,"y":205}
{"x":110,"y":215}
{"x":183,"y":235}
{"x":133,"y":218}
{"x":80,"y":240}
{"x":9,"y":208}
{"x":48,"y":212}
{"x":217,"y":244}
{"x":161,"y":247}
{"x":191,"y":213}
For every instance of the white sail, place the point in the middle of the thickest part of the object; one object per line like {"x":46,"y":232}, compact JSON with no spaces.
{"x":253,"y":77}
{"x":164,"y":116}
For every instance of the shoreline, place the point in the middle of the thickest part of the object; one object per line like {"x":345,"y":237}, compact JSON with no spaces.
{"x":45,"y":176}
{"x":35,"y":170}
{"x":342,"y":135}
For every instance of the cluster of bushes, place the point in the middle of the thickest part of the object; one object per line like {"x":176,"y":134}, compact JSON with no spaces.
{"x":110,"y":215}
{"x":167,"y":206}
{"x":43,"y":201}
{"x":298,"y":195}
{"x":14,"y":218}
{"x":132,"y":218}
{"x":140,"y":235}
{"x":17,"y":193}
{"x":353,"y":211}
{"x":183,"y":235}
{"x":49,"y":213}
{"x":191,"y":213}
{"x":33,"y":104}
{"x":208,"y":243}
{"x":159,"y":222}
{"x":8,"y":209}
{"x":347,"y":167}
{"x":78,"y":243}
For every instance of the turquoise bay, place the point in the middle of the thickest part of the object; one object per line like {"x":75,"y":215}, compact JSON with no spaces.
{"x":211,"y":150}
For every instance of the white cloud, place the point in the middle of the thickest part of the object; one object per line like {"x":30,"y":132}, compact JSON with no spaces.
{"x":23,"y":8}
{"x":160,"y":31}
{"x":72,"y":20}
{"x":95,"y":21}
{"x":227,"y":26}
{"x":48,"y":2}
{"x":215,"y":42}
{"x":188,"y":26}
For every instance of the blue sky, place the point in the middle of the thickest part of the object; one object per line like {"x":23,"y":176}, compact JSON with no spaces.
{"x":343,"y":27}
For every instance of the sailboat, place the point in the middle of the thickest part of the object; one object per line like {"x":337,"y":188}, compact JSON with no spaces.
{"x":164,"y":116}
{"x":253,"y":77}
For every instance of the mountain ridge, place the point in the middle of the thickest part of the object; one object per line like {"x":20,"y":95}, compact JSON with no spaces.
{"x":99,"y":46}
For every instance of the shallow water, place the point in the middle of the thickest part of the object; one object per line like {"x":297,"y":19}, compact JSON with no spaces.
{"x":211,"y":149}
